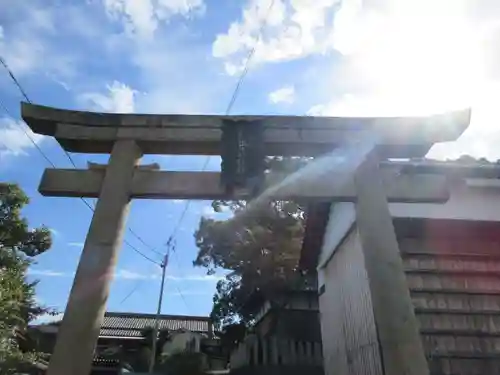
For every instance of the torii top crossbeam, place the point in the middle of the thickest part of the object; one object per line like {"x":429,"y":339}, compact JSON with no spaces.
{"x":89,"y":132}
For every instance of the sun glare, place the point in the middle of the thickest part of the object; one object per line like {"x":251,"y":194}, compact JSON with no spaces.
{"x":414,"y":63}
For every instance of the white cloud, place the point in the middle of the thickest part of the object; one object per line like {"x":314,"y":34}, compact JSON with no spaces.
{"x":169,"y":8}
{"x":392,"y":64}
{"x":27,"y":27}
{"x":13,"y":140}
{"x":141,"y":18}
{"x":393,"y":57}
{"x":119,"y":98}
{"x":283,"y":95}
{"x":132,"y":275}
{"x":201,"y":278}
{"x":138,"y":16}
{"x":483,"y":135}
{"x":43,"y":19}
{"x":48,"y":273}
{"x":165,"y":66}
{"x":169,"y":70}
{"x":208,"y":211}
{"x":290,"y":29}
{"x":76,"y":244}
{"x":48,"y":318}
{"x":20,"y":53}
{"x":54,"y":231}
{"x":126,"y":274}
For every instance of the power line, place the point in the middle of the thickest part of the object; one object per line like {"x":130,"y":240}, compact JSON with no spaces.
{"x":13,"y":77}
{"x":89,"y":206}
{"x":140,"y":252}
{"x":186,"y":208}
{"x":230,"y":105}
{"x":172,"y":246}
{"x":139,"y":238}
{"x":2,"y":143}
{"x":28,"y":136}
{"x":247,"y":61}
{"x":182,"y":296}
{"x":131,"y":232}
{"x":172,"y":249}
{"x":23,"y":93}
{"x":132,"y":291}
{"x":139,"y":283}
{"x":135,"y":288}
{"x":205,"y":165}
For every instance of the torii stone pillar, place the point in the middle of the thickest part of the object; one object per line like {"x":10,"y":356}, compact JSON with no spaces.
{"x":126,"y":137}
{"x":87,"y":302}
{"x":397,"y":325}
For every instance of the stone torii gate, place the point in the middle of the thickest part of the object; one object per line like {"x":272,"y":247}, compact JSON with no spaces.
{"x":126,"y":137}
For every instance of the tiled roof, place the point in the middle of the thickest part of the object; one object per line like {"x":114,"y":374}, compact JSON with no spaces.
{"x":131,"y":325}
{"x":118,"y":324}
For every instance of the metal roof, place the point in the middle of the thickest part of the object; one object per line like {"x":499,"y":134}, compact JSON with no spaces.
{"x":131,"y":325}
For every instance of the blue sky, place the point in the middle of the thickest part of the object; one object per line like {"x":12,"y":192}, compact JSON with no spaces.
{"x":321,"y":57}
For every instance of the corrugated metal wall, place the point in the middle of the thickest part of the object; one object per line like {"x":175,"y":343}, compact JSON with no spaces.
{"x":349,"y":334}
{"x":457,"y":301}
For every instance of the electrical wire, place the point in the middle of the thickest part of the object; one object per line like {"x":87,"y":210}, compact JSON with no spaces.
{"x":230,"y":105}
{"x":4,"y":145}
{"x":139,"y":283}
{"x":131,"y":232}
{"x":23,"y":93}
{"x":204,"y":167}
{"x":132,"y":291}
{"x":28,"y":136}
{"x":140,"y":252}
{"x":174,"y":251}
{"x":47,"y":159}
{"x":13,"y":77}
{"x":139,"y":238}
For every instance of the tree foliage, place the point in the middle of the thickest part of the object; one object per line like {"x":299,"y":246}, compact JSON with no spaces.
{"x":18,"y":245}
{"x":261,"y":251}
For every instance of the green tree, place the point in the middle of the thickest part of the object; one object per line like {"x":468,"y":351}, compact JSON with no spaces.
{"x":261,"y":251}
{"x":18,"y":245}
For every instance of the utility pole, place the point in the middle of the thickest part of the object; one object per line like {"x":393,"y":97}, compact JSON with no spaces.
{"x":157,"y":318}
